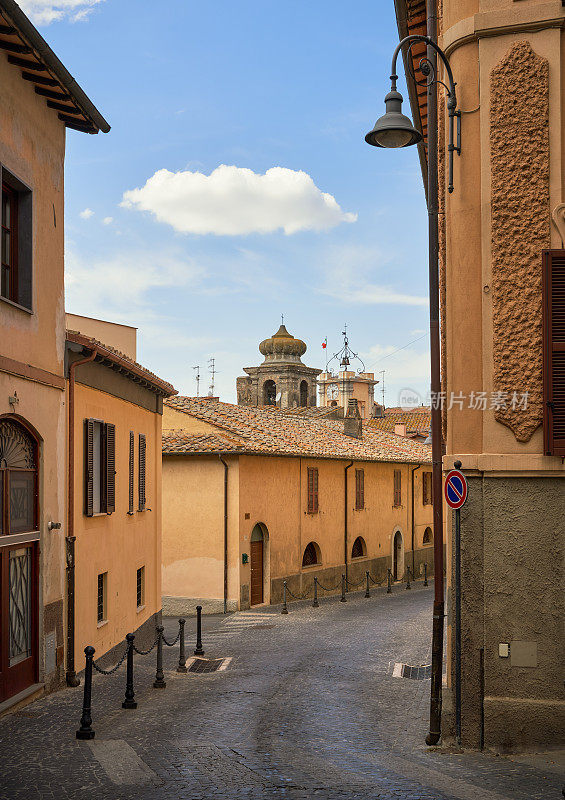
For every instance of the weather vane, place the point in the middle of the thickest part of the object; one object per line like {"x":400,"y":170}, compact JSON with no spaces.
{"x":345,"y":355}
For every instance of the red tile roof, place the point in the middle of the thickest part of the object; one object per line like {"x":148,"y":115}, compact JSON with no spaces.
{"x":417,"y":420}
{"x":243,"y":429}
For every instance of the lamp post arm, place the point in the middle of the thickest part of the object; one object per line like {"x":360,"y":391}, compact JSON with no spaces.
{"x":425,"y":40}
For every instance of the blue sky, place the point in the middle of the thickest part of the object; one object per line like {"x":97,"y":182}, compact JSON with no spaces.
{"x":204,"y":266}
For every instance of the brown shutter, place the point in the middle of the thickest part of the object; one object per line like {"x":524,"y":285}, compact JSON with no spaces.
{"x":315,"y":498}
{"x":89,"y":467}
{"x":141,"y":472}
{"x":397,"y":487}
{"x":312,"y":490}
{"x":554,"y":351}
{"x":110,"y":461}
{"x":359,"y":489}
{"x":131,"y":463}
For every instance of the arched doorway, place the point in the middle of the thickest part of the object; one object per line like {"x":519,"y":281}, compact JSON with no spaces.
{"x":428,"y":536}
{"x":19,"y":515}
{"x":304,"y":393}
{"x":269,"y":393}
{"x":257,"y":561}
{"x":397,"y":556}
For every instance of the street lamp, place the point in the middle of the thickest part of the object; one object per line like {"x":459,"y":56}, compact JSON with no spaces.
{"x":394,"y":130}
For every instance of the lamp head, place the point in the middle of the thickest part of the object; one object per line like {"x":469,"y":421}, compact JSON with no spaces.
{"x":393,"y":129}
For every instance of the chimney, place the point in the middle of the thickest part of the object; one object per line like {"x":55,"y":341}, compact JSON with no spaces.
{"x":400,"y":429}
{"x":353,"y":424}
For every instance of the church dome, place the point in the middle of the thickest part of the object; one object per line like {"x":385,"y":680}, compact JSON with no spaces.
{"x":282,"y":346}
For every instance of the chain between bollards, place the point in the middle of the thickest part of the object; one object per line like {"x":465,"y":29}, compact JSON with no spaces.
{"x":315,"y":604}
{"x":425,"y":574}
{"x":367,"y":590}
{"x":388,"y":582}
{"x":182,"y":657}
{"x":408,"y":578}
{"x":284,"y":608}
{"x":343,"y":598}
{"x":85,"y":731}
{"x":199,"y":651}
{"x":159,"y":682}
{"x":129,"y":701}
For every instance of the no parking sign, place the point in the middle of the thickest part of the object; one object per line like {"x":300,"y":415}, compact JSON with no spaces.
{"x":455,"y":489}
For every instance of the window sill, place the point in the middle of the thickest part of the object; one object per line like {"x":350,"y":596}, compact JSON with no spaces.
{"x":359,"y":558}
{"x":16,"y":305}
{"x":312,"y":566}
{"x":102,"y":623}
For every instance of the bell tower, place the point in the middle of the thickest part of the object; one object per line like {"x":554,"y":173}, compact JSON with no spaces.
{"x":282,"y":380}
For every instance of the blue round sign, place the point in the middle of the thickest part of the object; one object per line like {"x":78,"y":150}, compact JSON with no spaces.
{"x":455,"y":489}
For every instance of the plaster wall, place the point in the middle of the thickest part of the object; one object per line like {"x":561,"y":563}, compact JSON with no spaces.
{"x":120,"y":337}
{"x":32,"y":148}
{"x":116,"y":543}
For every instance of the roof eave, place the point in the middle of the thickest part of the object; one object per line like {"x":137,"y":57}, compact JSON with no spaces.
{"x":11,"y":9}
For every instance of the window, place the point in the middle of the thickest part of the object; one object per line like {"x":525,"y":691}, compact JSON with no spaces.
{"x":359,"y":489}
{"x":554,"y":352}
{"x":102,"y":601}
{"x":16,"y":247}
{"x":131,"y":463}
{"x":18,"y":479}
{"x":428,"y":536}
{"x":141,"y":482}
{"x":427,"y":491}
{"x":100,"y":467}
{"x":312,"y":555}
{"x":269,"y":393}
{"x":359,"y":549}
{"x":304,"y":393}
{"x":312,"y":490}
{"x":397,"y":487}
{"x":140,"y":587}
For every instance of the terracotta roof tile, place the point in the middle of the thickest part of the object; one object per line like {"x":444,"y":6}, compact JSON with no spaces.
{"x":244,"y":429}
{"x":417,"y":420}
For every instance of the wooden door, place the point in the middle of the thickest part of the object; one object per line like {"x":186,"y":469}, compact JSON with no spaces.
{"x":256,"y":573}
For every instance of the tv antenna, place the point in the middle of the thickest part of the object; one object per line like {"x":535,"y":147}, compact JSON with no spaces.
{"x":197,"y":368}
{"x":383,"y":388}
{"x":212,"y":366}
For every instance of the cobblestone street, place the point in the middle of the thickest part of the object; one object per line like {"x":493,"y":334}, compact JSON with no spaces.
{"x":307,"y":707}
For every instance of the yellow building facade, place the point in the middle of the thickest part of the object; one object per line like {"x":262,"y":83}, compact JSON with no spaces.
{"x":253,"y":497}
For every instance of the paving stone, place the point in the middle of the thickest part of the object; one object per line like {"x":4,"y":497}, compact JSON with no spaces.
{"x":307,"y":708}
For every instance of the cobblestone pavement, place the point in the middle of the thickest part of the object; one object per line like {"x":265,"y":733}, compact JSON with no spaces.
{"x":307,"y":708}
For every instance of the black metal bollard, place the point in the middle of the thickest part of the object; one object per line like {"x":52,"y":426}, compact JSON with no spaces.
{"x":284,"y":608}
{"x":388,"y":582}
{"x":315,"y":604}
{"x":129,"y":701}
{"x":199,"y":651}
{"x":425,"y":574}
{"x":367,"y":590}
{"x":182,"y":657}
{"x":85,"y":731}
{"x":408,"y":578}
{"x":343,"y":598}
{"x":159,"y":682}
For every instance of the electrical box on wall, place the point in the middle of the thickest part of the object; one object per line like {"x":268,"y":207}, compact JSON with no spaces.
{"x":244,"y":558}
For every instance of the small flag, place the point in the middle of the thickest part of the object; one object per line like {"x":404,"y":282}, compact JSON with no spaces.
{"x":325,"y":343}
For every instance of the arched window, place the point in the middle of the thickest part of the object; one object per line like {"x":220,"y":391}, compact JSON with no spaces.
{"x":312,"y":555}
{"x":304,"y":393}
{"x":359,"y":549}
{"x":428,"y":536}
{"x":269,"y":393}
{"x":18,"y":478}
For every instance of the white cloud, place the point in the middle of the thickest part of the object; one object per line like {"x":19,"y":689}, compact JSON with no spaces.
{"x":233,"y":201}
{"x":122,"y":287}
{"x":87,"y":213}
{"x":42,"y":12}
{"x":107,"y":220}
{"x":346,"y":278}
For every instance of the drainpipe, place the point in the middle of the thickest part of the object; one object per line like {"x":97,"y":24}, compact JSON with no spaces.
{"x":412,"y":507}
{"x":225,"y":534}
{"x":345,"y":519}
{"x":71,"y":676}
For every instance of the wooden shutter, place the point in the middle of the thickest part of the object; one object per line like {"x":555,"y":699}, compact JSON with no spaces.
{"x":359,"y":488}
{"x":554,"y":351}
{"x":110,"y":471}
{"x":89,"y":467}
{"x":397,"y":487}
{"x":312,"y":490}
{"x":141,"y":472}
{"x":131,"y":463}
{"x":426,"y":488}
